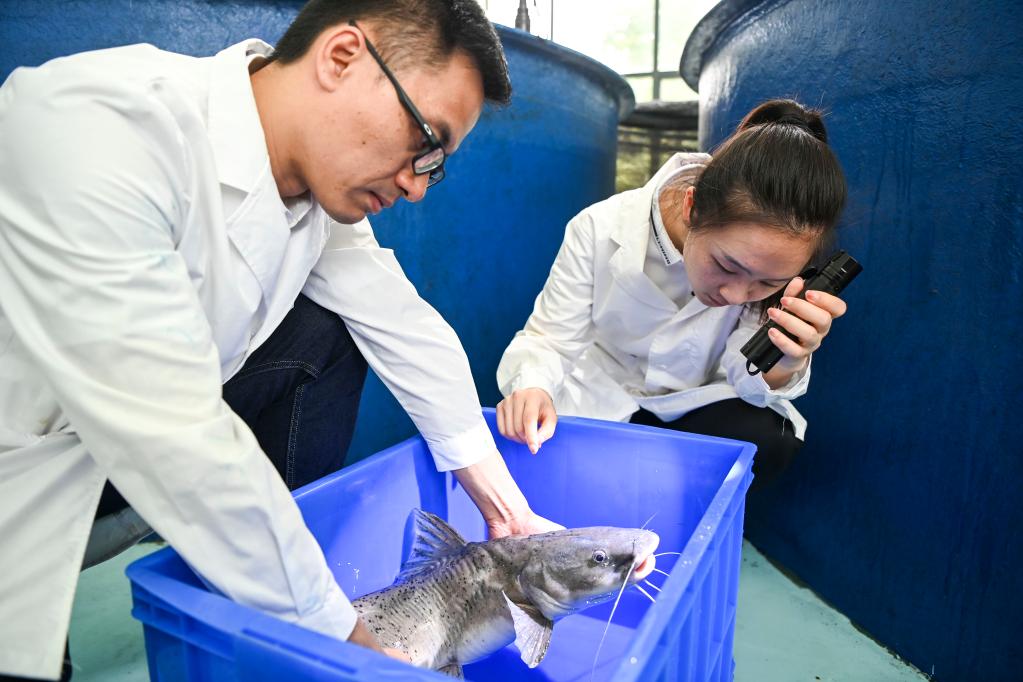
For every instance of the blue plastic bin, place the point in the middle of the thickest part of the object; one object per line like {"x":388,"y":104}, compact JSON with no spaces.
{"x":591,"y":473}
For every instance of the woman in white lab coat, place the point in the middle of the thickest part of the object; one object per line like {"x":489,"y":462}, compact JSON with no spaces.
{"x":655,"y":290}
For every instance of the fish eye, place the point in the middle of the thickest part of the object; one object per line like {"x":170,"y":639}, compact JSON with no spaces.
{"x":600,"y":556}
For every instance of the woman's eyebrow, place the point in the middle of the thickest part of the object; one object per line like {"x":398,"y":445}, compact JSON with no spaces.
{"x":737,"y":264}
{"x":747,"y":270}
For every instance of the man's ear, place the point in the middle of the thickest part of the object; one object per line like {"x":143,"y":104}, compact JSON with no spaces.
{"x":337,"y":49}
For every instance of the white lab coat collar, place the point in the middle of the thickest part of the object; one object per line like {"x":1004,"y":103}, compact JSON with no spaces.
{"x":624,"y":234}
{"x":260,"y":225}
{"x":632,"y":234}
{"x":235,"y":129}
{"x":669,"y":252}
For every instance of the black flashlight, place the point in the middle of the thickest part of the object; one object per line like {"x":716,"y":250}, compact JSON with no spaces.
{"x":760,"y":351}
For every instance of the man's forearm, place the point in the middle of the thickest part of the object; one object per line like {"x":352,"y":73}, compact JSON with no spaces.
{"x":492,"y":488}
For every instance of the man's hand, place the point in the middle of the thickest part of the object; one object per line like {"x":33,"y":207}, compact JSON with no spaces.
{"x":520,"y":414}
{"x":531,"y":525}
{"x":499,"y":499}
{"x":397,"y":654}
{"x":363,"y":637}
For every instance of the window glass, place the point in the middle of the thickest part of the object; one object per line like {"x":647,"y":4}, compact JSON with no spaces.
{"x":618,"y":34}
{"x":677,"y":20}
{"x":642,"y":87}
{"x":676,"y":90}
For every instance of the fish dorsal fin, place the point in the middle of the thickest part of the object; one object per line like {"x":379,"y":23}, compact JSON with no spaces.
{"x":432,"y":541}
{"x":532,"y":632}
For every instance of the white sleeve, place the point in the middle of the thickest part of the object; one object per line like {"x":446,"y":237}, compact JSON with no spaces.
{"x":561,"y":325}
{"x":416,"y":354}
{"x":90,"y":189}
{"x":753,"y":389}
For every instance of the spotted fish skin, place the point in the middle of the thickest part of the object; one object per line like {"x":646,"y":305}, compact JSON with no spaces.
{"x":453,"y":613}
{"x":456,"y":602}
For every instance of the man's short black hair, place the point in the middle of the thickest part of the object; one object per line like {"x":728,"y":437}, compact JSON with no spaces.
{"x":408,"y":32}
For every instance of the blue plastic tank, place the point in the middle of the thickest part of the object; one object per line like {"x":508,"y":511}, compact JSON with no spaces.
{"x":688,"y":489}
{"x":480,"y":245}
{"x":903,"y":509}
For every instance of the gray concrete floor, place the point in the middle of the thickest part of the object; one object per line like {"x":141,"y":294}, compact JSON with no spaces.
{"x":783,"y":632}
{"x":105,"y":641}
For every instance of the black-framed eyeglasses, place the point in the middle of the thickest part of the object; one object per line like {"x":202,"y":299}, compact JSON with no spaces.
{"x":430,"y":161}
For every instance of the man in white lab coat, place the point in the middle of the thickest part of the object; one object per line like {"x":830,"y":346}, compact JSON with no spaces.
{"x":169,"y":224}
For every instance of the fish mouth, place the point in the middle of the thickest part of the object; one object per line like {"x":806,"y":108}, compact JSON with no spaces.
{"x":645,"y":559}
{"x":644,"y":568}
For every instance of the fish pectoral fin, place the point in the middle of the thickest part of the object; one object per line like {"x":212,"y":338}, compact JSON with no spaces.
{"x":454,"y":670}
{"x":532,"y":632}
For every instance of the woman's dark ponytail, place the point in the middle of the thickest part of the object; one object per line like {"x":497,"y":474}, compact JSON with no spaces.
{"x":787,"y":112}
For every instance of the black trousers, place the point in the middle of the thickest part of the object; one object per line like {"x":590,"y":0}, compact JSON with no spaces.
{"x":776,"y":442}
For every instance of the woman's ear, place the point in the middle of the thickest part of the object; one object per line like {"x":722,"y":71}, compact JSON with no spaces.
{"x":687,"y":204}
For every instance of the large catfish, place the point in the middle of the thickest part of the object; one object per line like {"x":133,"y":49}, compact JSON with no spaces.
{"x":455,"y":602}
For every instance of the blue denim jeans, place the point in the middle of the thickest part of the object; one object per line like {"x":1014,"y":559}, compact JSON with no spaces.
{"x":299,"y":393}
